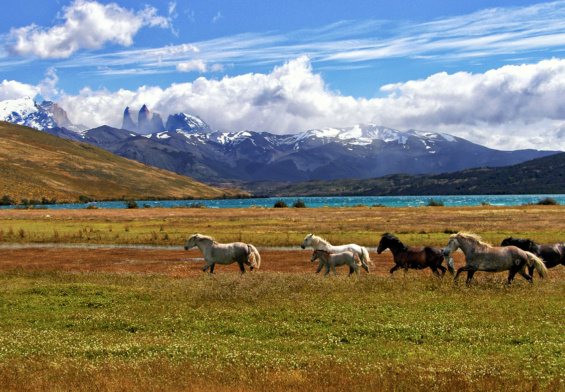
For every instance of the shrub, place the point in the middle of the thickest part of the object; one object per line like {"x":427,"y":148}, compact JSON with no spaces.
{"x":548,"y":201}
{"x":7,"y":201}
{"x":280,"y":204}
{"x":435,"y":203}
{"x":299,"y":204}
{"x":131,"y":204}
{"x":85,"y":199}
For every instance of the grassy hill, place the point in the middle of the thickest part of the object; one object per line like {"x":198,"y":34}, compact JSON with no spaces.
{"x":543,"y":175}
{"x":36,"y":165}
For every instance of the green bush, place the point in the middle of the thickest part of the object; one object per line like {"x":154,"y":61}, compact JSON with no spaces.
{"x":131,"y":204}
{"x":548,"y":201}
{"x":299,"y":204}
{"x":280,"y":204}
{"x":435,"y":203}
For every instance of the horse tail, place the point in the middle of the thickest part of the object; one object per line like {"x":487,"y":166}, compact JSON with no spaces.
{"x":534,"y":261}
{"x":253,"y":256}
{"x":356,"y":258}
{"x":366,"y":257}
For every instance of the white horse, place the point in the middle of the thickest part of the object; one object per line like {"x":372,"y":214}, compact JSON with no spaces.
{"x":480,"y":256}
{"x":216,"y":253}
{"x":332,"y":260}
{"x":319,"y":243}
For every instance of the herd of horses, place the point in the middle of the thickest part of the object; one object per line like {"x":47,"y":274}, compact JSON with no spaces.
{"x":518,"y":256}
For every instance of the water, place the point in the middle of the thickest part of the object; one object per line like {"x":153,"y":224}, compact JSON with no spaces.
{"x":316,"y":202}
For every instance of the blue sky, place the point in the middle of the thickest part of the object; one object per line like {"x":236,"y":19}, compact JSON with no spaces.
{"x":492,"y":72}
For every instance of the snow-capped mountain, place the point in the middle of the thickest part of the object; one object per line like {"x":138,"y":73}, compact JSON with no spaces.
{"x":186,"y":123}
{"x":188,"y":146}
{"x":25,"y":111}
{"x":44,"y":116}
{"x":361,"y":151}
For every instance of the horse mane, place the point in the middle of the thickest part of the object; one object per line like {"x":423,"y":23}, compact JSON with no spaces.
{"x":323,"y":250}
{"x":203,"y":237}
{"x":395,"y":239}
{"x":320,"y":239}
{"x":472,"y":237}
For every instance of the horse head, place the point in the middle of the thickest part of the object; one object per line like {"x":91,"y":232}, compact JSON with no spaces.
{"x":451,"y":246}
{"x":194,"y":239}
{"x":320,"y":253}
{"x":388,"y":240}
{"x":307,"y":241}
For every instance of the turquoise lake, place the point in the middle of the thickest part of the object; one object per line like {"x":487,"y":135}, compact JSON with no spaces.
{"x":316,"y":202}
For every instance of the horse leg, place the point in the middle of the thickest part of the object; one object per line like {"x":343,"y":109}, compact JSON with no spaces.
{"x":394,"y":268}
{"x":350,"y":270}
{"x":333,"y":269}
{"x":327,"y":270}
{"x":528,"y":277}
{"x":470,"y":274}
{"x":209,"y":265}
{"x":434,"y":270}
{"x":241,"y":267}
{"x":443,"y":269}
{"x":465,"y":268}
{"x":531,"y":271}
{"x":356,"y":268}
{"x":320,"y":266}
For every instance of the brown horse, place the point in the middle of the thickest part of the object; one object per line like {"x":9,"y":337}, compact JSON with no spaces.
{"x":414,"y":257}
{"x":551,"y":254}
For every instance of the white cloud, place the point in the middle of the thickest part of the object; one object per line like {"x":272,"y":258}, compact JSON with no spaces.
{"x":86,"y":24}
{"x":47,"y":87}
{"x":192,"y":65}
{"x":506,"y":108}
{"x":217,"y":17}
{"x":11,"y":89}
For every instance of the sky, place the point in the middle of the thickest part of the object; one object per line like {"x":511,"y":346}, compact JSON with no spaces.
{"x":492,"y":72}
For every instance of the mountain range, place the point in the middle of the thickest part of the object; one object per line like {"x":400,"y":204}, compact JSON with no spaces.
{"x":187,"y":145}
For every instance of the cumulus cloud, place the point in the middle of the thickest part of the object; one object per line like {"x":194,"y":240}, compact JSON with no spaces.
{"x":86,"y":24}
{"x":11,"y":89}
{"x":192,"y":65}
{"x":506,"y":108}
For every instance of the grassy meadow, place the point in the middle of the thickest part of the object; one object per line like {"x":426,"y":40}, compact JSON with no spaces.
{"x":279,"y":332}
{"x":280,"y":227}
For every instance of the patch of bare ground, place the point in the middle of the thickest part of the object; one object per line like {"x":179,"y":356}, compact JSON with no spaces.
{"x":171,"y":262}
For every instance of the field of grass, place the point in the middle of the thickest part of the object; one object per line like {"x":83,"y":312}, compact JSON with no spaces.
{"x":281,"y":226}
{"x":277,"y":332}
{"x":269,"y":331}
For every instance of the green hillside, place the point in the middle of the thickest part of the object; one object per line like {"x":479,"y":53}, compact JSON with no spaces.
{"x":36,"y":165}
{"x":544,"y":175}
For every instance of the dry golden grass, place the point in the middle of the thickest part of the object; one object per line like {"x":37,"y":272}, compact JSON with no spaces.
{"x":34,"y":165}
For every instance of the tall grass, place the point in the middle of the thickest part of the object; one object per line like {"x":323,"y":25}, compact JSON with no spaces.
{"x":276,"y":332}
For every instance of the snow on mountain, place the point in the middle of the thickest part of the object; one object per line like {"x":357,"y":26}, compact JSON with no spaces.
{"x":187,"y":123}
{"x":25,"y":111}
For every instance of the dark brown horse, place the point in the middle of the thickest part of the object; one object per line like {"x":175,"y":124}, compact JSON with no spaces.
{"x":551,"y":254}
{"x":414,"y":257}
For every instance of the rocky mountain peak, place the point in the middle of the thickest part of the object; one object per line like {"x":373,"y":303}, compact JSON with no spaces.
{"x":127,"y":122}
